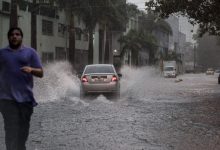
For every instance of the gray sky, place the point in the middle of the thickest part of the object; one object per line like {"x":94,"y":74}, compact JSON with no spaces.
{"x":139,"y":3}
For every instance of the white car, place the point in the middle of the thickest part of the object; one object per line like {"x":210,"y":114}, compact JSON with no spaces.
{"x":210,"y":71}
{"x":100,"y":79}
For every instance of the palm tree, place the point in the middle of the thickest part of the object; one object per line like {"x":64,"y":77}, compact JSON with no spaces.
{"x":149,"y":43}
{"x":114,"y":18}
{"x":108,"y":14}
{"x":131,"y":43}
{"x":149,"y":24}
{"x":138,"y":39}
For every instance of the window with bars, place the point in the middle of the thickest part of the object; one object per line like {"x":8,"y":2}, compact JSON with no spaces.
{"x":47,"y":57}
{"x":47,"y":27}
{"x":78,"y":33}
{"x":5,"y":6}
{"x":61,"y":29}
{"x":60,"y":53}
{"x":85,"y":37}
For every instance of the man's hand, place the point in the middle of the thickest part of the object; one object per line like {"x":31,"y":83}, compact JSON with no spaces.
{"x":38,"y":72}
{"x":27,"y":69}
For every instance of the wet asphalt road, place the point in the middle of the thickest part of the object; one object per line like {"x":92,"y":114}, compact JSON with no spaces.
{"x":152,"y":114}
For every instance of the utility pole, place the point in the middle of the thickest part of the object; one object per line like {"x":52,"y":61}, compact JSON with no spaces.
{"x":14,"y":14}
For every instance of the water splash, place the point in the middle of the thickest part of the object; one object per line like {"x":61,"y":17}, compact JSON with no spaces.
{"x":138,"y":82}
{"x":143,"y":83}
{"x":58,"y":83}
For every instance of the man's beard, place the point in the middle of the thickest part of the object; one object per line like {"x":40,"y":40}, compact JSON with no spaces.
{"x":14,"y":46}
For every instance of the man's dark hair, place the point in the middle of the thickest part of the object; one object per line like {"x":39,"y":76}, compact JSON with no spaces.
{"x":14,"y":28}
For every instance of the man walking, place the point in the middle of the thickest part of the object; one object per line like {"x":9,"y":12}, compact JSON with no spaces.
{"x":18,"y":65}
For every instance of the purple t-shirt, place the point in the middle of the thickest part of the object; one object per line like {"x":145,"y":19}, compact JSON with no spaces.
{"x":14,"y":83}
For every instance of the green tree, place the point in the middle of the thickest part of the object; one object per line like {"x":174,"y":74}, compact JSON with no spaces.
{"x":147,"y":25}
{"x":108,"y":14}
{"x":112,"y":18}
{"x":135,"y":41}
{"x":206,"y":13}
{"x":142,"y":38}
{"x":131,"y":43}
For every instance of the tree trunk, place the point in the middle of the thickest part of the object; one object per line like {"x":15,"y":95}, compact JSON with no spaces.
{"x":14,"y":14}
{"x":72,"y":40}
{"x":90,"y":51}
{"x":104,"y":44}
{"x":107,"y":47}
{"x":34,"y":26}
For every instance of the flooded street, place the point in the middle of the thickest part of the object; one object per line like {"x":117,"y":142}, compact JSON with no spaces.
{"x":153,"y":113}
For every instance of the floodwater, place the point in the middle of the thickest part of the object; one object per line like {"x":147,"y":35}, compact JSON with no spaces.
{"x":153,"y":113}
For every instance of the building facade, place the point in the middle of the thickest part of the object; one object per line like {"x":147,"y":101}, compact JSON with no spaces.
{"x":52,"y":28}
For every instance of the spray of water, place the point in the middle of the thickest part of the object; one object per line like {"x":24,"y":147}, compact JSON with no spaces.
{"x":58,"y":82}
{"x":139,"y":82}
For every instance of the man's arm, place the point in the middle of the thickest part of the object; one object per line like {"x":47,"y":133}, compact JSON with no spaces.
{"x":38,"y":72}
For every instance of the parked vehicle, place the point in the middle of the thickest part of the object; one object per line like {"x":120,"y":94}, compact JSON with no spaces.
{"x":210,"y":71}
{"x":217,"y":71}
{"x":100,"y":79}
{"x":169,"y":69}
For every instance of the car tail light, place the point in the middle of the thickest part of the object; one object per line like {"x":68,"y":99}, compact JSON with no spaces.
{"x":84,"y":79}
{"x":114,"y":78}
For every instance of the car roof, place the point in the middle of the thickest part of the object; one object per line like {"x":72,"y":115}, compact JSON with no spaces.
{"x":100,"y":65}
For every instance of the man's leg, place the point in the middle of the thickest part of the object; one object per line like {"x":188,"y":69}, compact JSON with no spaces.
{"x":16,"y":122}
{"x":10,"y":115}
{"x":25,"y":112}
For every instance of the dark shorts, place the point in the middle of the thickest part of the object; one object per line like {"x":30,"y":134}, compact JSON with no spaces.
{"x":17,"y":118}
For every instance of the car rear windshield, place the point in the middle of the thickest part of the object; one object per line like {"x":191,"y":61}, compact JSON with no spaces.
{"x":99,"y":69}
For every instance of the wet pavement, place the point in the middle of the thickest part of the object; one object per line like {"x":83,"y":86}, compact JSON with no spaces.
{"x":153,"y":113}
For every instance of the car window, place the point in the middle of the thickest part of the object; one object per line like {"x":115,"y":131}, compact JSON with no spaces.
{"x":99,"y":69}
{"x":168,"y":68}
